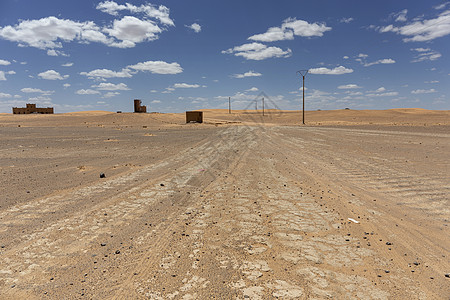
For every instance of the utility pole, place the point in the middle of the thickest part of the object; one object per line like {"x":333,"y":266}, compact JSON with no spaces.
{"x":303,"y":74}
{"x":263,"y":106}
{"x":229,"y":105}
{"x":256,"y":105}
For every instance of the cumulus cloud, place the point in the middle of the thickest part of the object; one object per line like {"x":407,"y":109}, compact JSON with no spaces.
{"x":422,"y":30}
{"x":4,"y":62}
{"x":289,"y":28}
{"x":158,"y":67}
{"x":33,"y":90}
{"x":111,"y":86}
{"x":131,"y":30}
{"x":2,"y":76}
{"x":53,"y":52}
{"x":336,"y":71}
{"x":185,"y":86}
{"x":106,"y":73}
{"x":346,"y":20}
{"x":419,"y":91}
{"x":247,"y":74}
{"x":161,"y":13}
{"x":425,"y":54}
{"x":52,"y":75}
{"x":258,"y":51}
{"x":196,"y":27}
{"x":380,"y":61}
{"x":110,"y":94}
{"x":66,"y":85}
{"x":67,"y":65}
{"x":400,"y":16}
{"x":4,"y":95}
{"x":253,"y":89}
{"x":87,"y":92}
{"x":49,"y":33}
{"x":349,"y":86}
{"x":388,"y":94}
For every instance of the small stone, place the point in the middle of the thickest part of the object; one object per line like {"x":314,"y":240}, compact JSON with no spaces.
{"x":388,"y":243}
{"x":416,"y":263}
{"x":162,"y":184}
{"x":117,"y":252}
{"x":447,"y":275}
{"x":52,"y":278}
{"x":102,"y":175}
{"x":103,"y":244}
{"x":387,"y":271}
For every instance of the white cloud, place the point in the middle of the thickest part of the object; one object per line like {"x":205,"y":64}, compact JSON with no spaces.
{"x":422,"y":30}
{"x":110,"y":94}
{"x":67,"y":64}
{"x":48,"y":33}
{"x":345,"y":57}
{"x":349,"y":86}
{"x":253,"y":89}
{"x":2,"y":76}
{"x":53,"y":52}
{"x":196,"y":27}
{"x":336,"y":71}
{"x":52,"y":75}
{"x":153,"y":91}
{"x":362,"y":55}
{"x":105,"y":73}
{"x":346,"y":20}
{"x":425,"y":54}
{"x":87,"y":92}
{"x":380,"y":61}
{"x":258,"y":51}
{"x":155,"y":101}
{"x":185,"y":86}
{"x":247,"y":74}
{"x":289,"y":28}
{"x":131,"y":30}
{"x":33,"y":90}
{"x":4,"y":62}
{"x":66,"y":85}
{"x":161,"y":13}
{"x":4,"y":95}
{"x":419,"y":91}
{"x":380,"y":89}
{"x":158,"y":67}
{"x":401,"y":16}
{"x":388,"y":94}
{"x":111,"y":86}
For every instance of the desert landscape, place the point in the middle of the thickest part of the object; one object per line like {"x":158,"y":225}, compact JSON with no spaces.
{"x":352,"y":205}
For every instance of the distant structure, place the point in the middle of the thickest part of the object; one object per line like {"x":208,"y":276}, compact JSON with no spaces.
{"x":138,"y":108}
{"x":194,"y":116}
{"x":32,"y":109}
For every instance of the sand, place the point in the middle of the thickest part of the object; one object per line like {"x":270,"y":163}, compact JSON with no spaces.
{"x":352,"y":205}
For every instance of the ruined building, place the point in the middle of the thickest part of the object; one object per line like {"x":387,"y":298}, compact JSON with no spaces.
{"x":32,"y":109}
{"x":138,"y":108}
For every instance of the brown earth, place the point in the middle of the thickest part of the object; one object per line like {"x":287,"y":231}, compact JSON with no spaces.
{"x":354,"y":205}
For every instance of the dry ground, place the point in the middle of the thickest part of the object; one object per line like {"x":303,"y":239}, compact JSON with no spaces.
{"x":242,"y":206}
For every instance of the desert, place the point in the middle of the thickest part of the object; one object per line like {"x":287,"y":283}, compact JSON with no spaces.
{"x":352,"y":205}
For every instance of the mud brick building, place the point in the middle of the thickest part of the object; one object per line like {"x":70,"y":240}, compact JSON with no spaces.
{"x":32,"y":109}
{"x":138,"y":107}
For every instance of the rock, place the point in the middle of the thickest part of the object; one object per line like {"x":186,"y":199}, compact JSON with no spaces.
{"x":102,"y":175}
{"x":103,"y":244}
{"x":117,"y":252}
{"x":447,"y":275}
{"x":162,"y":184}
{"x":388,"y":243}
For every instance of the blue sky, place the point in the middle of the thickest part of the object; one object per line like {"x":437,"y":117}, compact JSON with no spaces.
{"x":184,"y":55}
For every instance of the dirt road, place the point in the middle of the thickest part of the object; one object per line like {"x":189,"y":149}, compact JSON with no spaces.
{"x":254,"y":212}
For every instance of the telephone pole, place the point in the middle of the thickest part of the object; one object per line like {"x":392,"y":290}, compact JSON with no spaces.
{"x":263,"y":105}
{"x":303,"y":74}
{"x":229,"y":105}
